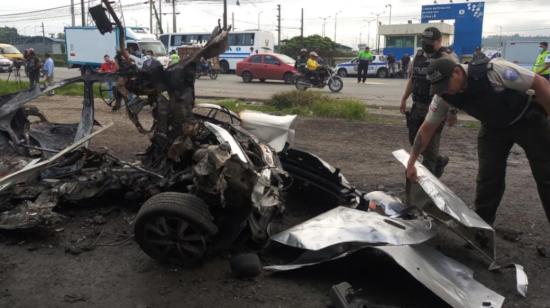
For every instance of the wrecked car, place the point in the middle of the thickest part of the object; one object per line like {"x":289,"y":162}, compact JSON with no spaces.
{"x":211,"y":178}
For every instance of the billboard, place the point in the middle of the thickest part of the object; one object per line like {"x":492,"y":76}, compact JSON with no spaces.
{"x":468,"y":19}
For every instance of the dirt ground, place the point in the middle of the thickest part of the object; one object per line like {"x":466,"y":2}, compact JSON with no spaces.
{"x":43,"y":269}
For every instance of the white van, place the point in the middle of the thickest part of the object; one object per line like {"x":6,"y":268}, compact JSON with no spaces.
{"x":86,"y":46}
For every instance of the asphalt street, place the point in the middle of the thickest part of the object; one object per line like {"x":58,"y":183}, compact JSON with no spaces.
{"x":375,"y":92}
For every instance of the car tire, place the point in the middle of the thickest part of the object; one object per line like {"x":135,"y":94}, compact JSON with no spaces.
{"x":288,"y":77}
{"x":224,"y":67}
{"x":262,"y":79}
{"x":174,"y":228}
{"x":382,"y":73}
{"x":343,"y":73}
{"x":247,"y":76}
{"x":246,"y":265}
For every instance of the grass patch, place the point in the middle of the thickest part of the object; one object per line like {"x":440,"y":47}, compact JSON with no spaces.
{"x":318,"y":105}
{"x":75,"y":89}
{"x":305,"y":104}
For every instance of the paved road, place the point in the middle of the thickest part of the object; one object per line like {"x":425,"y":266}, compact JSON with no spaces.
{"x":376,"y":92}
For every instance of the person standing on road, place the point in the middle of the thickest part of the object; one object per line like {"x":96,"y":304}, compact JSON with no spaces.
{"x":419,"y":86}
{"x":542,"y":63}
{"x":174,"y":57}
{"x":405,"y":61}
{"x":32,"y":66}
{"x":365,"y":57}
{"x":391,"y":65}
{"x":108,"y":66}
{"x":48,"y":69}
{"x":501,"y":95}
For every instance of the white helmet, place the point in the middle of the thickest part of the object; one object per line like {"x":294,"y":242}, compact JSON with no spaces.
{"x":313,"y":54}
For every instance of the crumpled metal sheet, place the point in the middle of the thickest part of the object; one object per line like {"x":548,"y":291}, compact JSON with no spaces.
{"x":450,"y":280}
{"x":446,"y":200}
{"x":344,"y":225}
{"x":447,"y":278}
{"x":34,"y":167}
{"x":276,"y":131}
{"x":224,"y":136}
{"x":522,"y":282}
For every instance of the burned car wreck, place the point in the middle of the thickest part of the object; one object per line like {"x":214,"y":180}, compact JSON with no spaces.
{"x":211,"y":178}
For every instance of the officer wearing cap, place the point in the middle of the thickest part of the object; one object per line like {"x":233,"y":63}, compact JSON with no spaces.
{"x":419,"y":86}
{"x":501,"y":95}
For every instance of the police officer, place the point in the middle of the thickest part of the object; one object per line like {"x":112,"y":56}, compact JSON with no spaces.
{"x":500,"y":95}
{"x":365,"y":57}
{"x":419,"y":87}
{"x":542,"y":64}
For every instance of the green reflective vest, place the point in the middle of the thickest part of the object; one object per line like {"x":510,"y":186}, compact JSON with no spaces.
{"x":539,"y":63}
{"x":365,"y":55}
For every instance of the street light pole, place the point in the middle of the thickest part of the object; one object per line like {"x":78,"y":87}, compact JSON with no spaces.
{"x":259,"y":13}
{"x":335,"y":24}
{"x":390,"y":6}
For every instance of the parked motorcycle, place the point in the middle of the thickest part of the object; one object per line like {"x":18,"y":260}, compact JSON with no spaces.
{"x":326,"y":76}
{"x":206,"y":70}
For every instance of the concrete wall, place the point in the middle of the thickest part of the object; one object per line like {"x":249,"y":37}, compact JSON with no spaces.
{"x":413,"y":29}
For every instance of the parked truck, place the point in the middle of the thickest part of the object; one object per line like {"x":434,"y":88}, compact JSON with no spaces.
{"x":86,"y":46}
{"x":522,"y":53}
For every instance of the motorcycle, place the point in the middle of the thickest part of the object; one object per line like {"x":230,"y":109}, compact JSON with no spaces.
{"x":328,"y":76}
{"x":206,"y":70}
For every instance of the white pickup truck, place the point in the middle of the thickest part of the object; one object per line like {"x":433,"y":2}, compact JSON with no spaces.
{"x":86,"y":46}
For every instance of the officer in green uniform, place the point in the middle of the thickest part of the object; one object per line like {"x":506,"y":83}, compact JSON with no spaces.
{"x":542,"y":64}
{"x":501,"y":95}
{"x":419,"y":87}
{"x":365,"y":57}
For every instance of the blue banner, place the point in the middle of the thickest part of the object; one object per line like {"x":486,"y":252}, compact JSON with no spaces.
{"x":468,"y":19}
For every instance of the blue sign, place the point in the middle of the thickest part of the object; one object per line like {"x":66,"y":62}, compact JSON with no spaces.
{"x":468,"y":19}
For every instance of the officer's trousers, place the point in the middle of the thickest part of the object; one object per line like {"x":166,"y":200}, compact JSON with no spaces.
{"x":415,"y":118}
{"x":362,"y":70}
{"x":494,"y":144}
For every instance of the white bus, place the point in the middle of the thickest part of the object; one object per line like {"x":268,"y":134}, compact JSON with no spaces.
{"x":241,"y":44}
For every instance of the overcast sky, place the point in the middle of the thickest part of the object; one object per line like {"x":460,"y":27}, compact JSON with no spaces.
{"x":526,"y":17}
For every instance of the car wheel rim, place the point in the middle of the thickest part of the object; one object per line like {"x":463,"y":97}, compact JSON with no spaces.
{"x":173,"y":238}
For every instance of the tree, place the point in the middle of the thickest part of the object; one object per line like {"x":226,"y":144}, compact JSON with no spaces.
{"x":8,"y":34}
{"x":323,"y":46}
{"x":61,"y":35}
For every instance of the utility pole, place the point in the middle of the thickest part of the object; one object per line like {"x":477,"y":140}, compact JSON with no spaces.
{"x":83,"y":11}
{"x":324,"y":23}
{"x":389,"y":5}
{"x":43,"y":38}
{"x":302,"y":29}
{"x":225,"y":14}
{"x":279,"y":26}
{"x":151,"y":16}
{"x":335,"y":24}
{"x":72,"y":13}
{"x":160,"y":15}
{"x":259,"y":13}
{"x":174,"y":16}
{"x":233,"y":21}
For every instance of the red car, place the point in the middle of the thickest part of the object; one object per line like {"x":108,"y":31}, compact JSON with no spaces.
{"x":271,"y":66}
